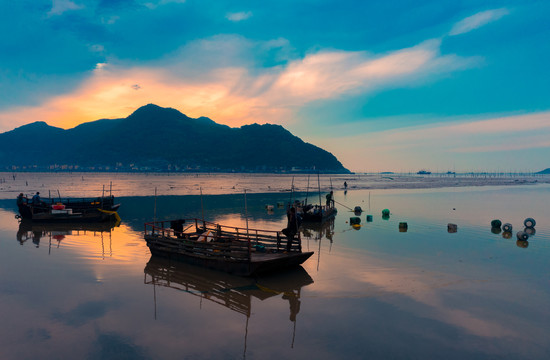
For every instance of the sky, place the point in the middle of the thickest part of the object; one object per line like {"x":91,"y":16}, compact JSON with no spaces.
{"x":383,"y":85}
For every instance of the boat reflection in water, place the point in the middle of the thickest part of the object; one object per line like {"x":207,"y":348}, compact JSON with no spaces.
{"x":318,"y":231}
{"x":35,"y":232}
{"x":231,"y":291}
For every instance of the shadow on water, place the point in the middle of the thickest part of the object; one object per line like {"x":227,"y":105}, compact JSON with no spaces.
{"x":230,"y":291}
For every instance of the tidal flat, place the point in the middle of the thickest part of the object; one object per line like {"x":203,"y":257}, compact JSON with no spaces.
{"x":373,"y":291}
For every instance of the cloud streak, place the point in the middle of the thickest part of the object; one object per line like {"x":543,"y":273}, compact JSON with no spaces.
{"x":233,"y":94}
{"x":478,"y":20}
{"x":61,"y":6}
{"x":238,"y":16}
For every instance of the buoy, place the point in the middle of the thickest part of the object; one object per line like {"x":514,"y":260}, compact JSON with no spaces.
{"x":529,"y":223}
{"x":269,"y":207}
{"x":357,"y":209}
{"x":507,"y":227}
{"x":385,"y":212}
{"x":521,"y":235}
{"x":496,"y":223}
{"x":403,"y":227}
{"x":530,"y":231}
{"x":452,"y":228}
{"x":507,"y":234}
{"x":369,"y":218}
{"x":355,"y":220}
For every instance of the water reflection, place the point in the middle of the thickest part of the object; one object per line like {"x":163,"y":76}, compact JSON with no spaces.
{"x":233,"y":292}
{"x":318,"y":231}
{"x":35,"y":232}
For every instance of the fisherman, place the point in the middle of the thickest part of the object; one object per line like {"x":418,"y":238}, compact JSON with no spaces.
{"x":330,"y":199}
{"x":36,"y":199}
{"x":292,"y":227}
{"x":21,"y":199}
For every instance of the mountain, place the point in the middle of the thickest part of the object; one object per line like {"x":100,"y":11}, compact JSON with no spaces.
{"x":163,"y":138}
{"x":545,"y":171}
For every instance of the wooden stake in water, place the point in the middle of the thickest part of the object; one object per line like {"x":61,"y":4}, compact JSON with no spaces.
{"x":246,"y":212}
{"x":155,"y":207}
{"x":202,"y":204}
{"x":307,"y":189}
{"x":291,"y":190}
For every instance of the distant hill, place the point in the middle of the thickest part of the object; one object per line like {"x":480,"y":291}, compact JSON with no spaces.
{"x":545,"y":171}
{"x":159,"y":138}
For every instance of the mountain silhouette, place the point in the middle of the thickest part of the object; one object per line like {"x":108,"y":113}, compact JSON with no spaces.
{"x":154,"y":137}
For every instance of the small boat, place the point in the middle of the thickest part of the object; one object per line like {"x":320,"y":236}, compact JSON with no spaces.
{"x":310,"y":213}
{"x":316,"y":213}
{"x":238,"y":251}
{"x":69,"y":210}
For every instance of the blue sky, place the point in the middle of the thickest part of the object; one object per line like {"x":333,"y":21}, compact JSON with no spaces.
{"x":383,"y":85}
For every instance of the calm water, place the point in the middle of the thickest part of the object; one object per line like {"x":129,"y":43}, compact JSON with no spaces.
{"x":372,"y":292}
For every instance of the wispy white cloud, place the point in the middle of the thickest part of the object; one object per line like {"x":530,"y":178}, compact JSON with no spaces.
{"x":61,"y":6}
{"x":328,"y":74}
{"x":238,"y":16}
{"x":477,"y":20}
{"x":154,"y":4}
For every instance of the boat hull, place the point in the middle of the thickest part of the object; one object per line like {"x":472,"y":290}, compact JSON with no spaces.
{"x":261,"y":263}
{"x":90,"y":215}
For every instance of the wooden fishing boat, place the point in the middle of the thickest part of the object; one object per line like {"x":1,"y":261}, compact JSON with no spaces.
{"x":69,"y":210}
{"x":234,"y":250}
{"x":315,"y":213}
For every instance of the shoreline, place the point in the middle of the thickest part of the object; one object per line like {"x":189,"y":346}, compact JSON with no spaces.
{"x":98,"y":184}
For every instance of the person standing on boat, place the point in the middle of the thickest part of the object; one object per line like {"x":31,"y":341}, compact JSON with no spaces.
{"x":330,"y":199}
{"x":292,"y":227}
{"x":20,"y":199}
{"x":345,"y":185}
{"x":36,"y":199}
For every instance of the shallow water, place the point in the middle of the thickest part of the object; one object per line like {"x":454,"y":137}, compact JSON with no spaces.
{"x":372,"y":292}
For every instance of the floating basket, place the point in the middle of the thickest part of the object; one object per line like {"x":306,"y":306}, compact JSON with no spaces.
{"x":522,"y":235}
{"x":452,"y":228}
{"x":507,"y":227}
{"x":496,"y":223}
{"x":529,"y":223}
